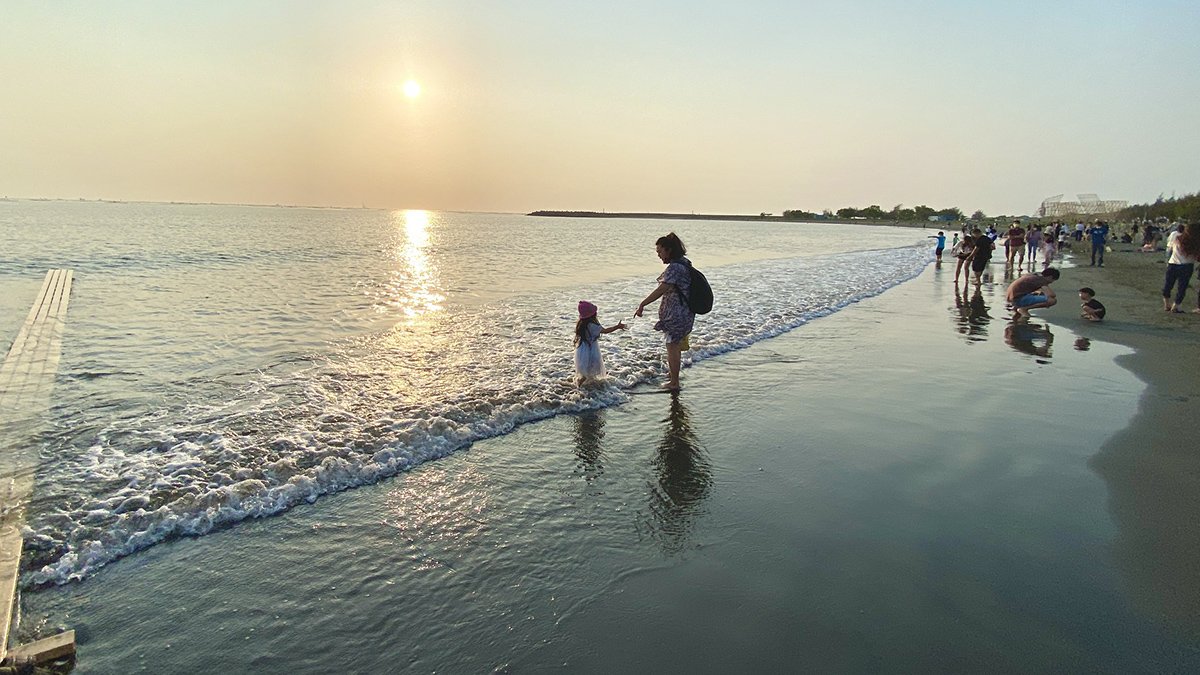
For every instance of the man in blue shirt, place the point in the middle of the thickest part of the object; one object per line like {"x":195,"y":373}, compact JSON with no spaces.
{"x":1099,"y":233}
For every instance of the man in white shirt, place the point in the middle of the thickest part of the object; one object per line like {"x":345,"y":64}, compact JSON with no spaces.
{"x":1180,"y":265}
{"x":1173,"y":236}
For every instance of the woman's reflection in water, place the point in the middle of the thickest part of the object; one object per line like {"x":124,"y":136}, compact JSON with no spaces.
{"x":1030,"y":338}
{"x":684,"y":480}
{"x":589,"y":434}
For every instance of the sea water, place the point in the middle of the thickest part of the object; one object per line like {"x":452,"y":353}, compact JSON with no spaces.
{"x":222,"y":362}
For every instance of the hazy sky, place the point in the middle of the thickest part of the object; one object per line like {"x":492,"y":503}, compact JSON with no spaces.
{"x":604,"y":105}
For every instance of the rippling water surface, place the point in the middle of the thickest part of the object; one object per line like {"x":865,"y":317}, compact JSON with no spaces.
{"x":223,"y":362}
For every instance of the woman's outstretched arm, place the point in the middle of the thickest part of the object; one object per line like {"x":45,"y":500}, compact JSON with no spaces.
{"x":654,"y":295}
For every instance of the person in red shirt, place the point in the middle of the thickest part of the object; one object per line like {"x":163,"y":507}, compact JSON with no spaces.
{"x":1016,"y":243}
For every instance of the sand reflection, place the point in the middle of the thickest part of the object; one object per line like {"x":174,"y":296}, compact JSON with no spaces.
{"x":684,"y":480}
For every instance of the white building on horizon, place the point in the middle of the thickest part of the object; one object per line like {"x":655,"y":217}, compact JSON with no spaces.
{"x":1088,"y":204}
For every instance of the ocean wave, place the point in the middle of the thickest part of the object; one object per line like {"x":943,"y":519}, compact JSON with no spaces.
{"x":376,"y":406}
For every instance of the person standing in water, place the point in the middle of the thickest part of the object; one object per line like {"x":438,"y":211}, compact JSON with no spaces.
{"x":941,"y":244}
{"x":588,"y":362}
{"x":1033,"y":242}
{"x":1050,"y":247}
{"x":675,"y":318}
{"x":1014,"y":243}
{"x":981,"y":254}
{"x":962,"y":253}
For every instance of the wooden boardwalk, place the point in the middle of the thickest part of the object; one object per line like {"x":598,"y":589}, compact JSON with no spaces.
{"x":26,"y":381}
{"x":27,"y":374}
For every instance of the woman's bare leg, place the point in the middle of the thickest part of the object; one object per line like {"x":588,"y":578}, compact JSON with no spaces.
{"x":674,"y":353}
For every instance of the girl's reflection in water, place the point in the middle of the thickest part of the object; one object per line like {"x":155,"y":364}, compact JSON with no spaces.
{"x":684,"y":480}
{"x":589,"y":434}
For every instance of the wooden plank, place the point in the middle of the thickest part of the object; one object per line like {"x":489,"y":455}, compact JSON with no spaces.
{"x":37,"y":305}
{"x":10,"y":557}
{"x":37,"y":350}
{"x":18,"y":345}
{"x":41,"y":365}
{"x":41,"y":306}
{"x":26,"y":379}
{"x":15,"y":364}
{"x":47,"y":649}
{"x":50,"y":366}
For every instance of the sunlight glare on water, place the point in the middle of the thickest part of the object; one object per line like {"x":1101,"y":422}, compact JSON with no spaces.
{"x":415,"y":283}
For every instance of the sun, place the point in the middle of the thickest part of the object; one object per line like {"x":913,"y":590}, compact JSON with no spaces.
{"x":412,"y":89}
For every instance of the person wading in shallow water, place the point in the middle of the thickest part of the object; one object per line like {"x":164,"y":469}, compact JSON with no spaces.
{"x":675,"y":318}
{"x":962,"y":254}
{"x":980,"y":254}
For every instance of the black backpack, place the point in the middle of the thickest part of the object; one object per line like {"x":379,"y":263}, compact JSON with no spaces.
{"x":699,"y":298}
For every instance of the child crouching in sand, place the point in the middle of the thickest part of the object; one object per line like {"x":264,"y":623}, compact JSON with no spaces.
{"x":588,"y":362}
{"x":1092,"y":310}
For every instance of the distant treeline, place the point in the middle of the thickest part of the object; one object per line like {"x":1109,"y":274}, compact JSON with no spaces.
{"x":1186,"y":208}
{"x":875,"y":212}
{"x":649,"y":215}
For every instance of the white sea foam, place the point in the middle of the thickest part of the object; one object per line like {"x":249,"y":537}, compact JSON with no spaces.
{"x":374,"y":407}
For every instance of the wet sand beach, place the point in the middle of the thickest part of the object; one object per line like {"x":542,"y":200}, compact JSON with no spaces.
{"x":1152,"y":467}
{"x":912,"y":483}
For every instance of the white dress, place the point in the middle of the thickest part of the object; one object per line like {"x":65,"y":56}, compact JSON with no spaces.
{"x":588,"y":362}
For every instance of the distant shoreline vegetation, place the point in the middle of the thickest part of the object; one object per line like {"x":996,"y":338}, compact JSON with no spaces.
{"x":917,"y":214}
{"x":874,"y":215}
{"x":669,"y":216}
{"x":1183,"y":208}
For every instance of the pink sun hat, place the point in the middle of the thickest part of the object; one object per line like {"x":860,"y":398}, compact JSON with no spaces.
{"x":586,"y":309}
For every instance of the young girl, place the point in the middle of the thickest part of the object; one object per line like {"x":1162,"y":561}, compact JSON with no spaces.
{"x":1049,"y":249}
{"x":588,"y":362}
{"x":962,"y":252}
{"x":1033,"y":241}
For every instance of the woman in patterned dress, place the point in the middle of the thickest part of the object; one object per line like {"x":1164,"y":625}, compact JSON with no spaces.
{"x":675,"y":319}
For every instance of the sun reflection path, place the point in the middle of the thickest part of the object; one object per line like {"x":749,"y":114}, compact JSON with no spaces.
{"x":414,"y":287}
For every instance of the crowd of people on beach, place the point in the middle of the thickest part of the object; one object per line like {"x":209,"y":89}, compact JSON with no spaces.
{"x":976,"y":247}
{"x":972,"y":248}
